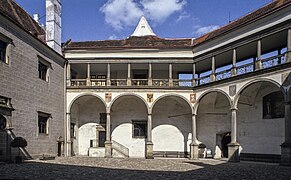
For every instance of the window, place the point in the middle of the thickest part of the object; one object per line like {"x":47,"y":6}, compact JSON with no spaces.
{"x":42,"y":71}
{"x":273,"y":106}
{"x":3,"y":46}
{"x":72,"y":132}
{"x":43,"y":123}
{"x":103,"y":118}
{"x":102,"y":138}
{"x":185,"y":79}
{"x":139,"y":129}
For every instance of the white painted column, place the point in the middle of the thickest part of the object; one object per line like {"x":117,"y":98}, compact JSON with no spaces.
{"x":194,"y":146}
{"x":68,"y":74}
{"x":108,"y":143}
{"x":128,"y":74}
{"x":193,"y":76}
{"x":259,"y":54}
{"x":286,"y":146}
{"x":150,"y":79}
{"x":212,"y":76}
{"x":171,"y":83}
{"x":108,"y":81}
{"x":88,"y":83}
{"x":149,"y":143}
{"x":68,"y":135}
{"x":233,"y":70}
{"x":233,"y":125}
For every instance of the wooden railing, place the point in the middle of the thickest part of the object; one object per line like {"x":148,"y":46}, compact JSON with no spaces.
{"x":98,"y":82}
{"x":118,"y":82}
{"x":160,"y":82}
{"x":182,"y":82}
{"x":78,"y":82}
{"x":139,"y":82}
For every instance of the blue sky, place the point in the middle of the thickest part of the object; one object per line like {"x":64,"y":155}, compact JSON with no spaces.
{"x":84,"y":20}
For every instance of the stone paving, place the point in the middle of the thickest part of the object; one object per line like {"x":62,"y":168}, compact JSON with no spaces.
{"x":101,"y":168}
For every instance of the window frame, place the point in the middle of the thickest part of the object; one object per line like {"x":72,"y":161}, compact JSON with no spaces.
{"x":47,"y":117}
{"x":136,"y":122}
{"x":8,"y":42}
{"x":44,"y":63}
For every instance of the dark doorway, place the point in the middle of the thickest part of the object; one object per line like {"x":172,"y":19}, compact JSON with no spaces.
{"x":102,"y":138}
{"x":226,"y":139}
{"x":59,"y":148}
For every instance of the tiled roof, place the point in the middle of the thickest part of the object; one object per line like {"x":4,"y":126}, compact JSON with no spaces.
{"x":133,"y":42}
{"x":251,"y":17}
{"x":14,"y":12}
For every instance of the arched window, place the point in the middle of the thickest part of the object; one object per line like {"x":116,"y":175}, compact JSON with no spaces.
{"x":273,"y":106}
{"x":2,"y":122}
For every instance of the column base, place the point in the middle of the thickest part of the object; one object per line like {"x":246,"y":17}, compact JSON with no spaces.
{"x":286,"y":154}
{"x":128,"y":82}
{"x":194,"y":151}
{"x":69,"y":151}
{"x":108,"y":149}
{"x":233,"y":152}
{"x":149,"y":150}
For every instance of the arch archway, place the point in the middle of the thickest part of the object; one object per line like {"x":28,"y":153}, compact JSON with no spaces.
{"x":214,"y":121}
{"x":172,"y":119}
{"x":128,"y":125}
{"x":87,"y":125}
{"x":260,"y":118}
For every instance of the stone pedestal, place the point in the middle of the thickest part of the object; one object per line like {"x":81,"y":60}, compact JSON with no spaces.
{"x":233,"y":152}
{"x":128,"y":82}
{"x":286,"y":154}
{"x":149,"y":150}
{"x":108,"y":149}
{"x":194,"y":151}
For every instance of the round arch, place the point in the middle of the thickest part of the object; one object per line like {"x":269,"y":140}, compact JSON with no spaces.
{"x":208,"y":92}
{"x":86,"y":94}
{"x":244,"y":87}
{"x":128,"y":94}
{"x":170,"y":95}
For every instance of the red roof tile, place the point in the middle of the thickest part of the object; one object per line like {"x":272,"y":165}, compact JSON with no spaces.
{"x":251,"y":17}
{"x":18,"y":15}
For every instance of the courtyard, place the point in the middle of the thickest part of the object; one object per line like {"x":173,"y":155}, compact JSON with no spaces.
{"x":114,"y":168}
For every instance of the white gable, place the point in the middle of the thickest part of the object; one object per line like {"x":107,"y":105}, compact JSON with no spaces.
{"x":143,"y":28}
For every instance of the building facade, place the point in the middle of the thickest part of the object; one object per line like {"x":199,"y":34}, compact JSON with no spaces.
{"x":31,"y":85}
{"x":147,"y":96}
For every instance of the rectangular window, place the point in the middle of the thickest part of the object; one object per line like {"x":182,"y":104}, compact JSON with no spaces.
{"x":43,"y":123}
{"x":185,"y":79}
{"x":139,"y":128}
{"x":3,"y":46}
{"x":102,"y":138}
{"x":72,"y":132}
{"x":42,"y":71}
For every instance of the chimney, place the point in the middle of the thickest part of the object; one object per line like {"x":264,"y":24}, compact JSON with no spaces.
{"x":54,"y":24}
{"x":36,"y":17}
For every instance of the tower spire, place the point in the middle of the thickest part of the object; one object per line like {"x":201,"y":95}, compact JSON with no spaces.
{"x":143,"y":28}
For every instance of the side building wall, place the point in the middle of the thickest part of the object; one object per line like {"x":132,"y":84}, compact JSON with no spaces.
{"x":19,"y":80}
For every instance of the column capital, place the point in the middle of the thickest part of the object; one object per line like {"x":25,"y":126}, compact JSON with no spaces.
{"x":233,"y":108}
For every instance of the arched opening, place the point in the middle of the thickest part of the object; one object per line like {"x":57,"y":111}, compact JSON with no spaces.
{"x":128,"y":126}
{"x":214,"y":122}
{"x":260,"y":119}
{"x":88,"y":126}
{"x":171,"y":131}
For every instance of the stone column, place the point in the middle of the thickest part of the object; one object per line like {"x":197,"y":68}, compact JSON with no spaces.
{"x":149,"y":143}
{"x":194,"y":145}
{"x":88,"y":82}
{"x":8,"y":147}
{"x":68,"y":136}
{"x":128,"y":82}
{"x":259,"y":54}
{"x":108,"y":80}
{"x":68,"y":74}
{"x":108,"y":143}
{"x":233,"y":146}
{"x":150,"y":79}
{"x":233,"y":69}
{"x":193,"y":76}
{"x":288,"y":57}
{"x":279,"y":58}
{"x":286,"y":146}
{"x":171,"y":83}
{"x":212,"y":76}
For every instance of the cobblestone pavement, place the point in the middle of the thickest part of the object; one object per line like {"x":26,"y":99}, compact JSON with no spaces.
{"x":101,"y":168}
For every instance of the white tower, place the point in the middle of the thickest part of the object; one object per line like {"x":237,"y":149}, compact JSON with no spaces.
{"x":54,"y":24}
{"x":143,"y":28}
